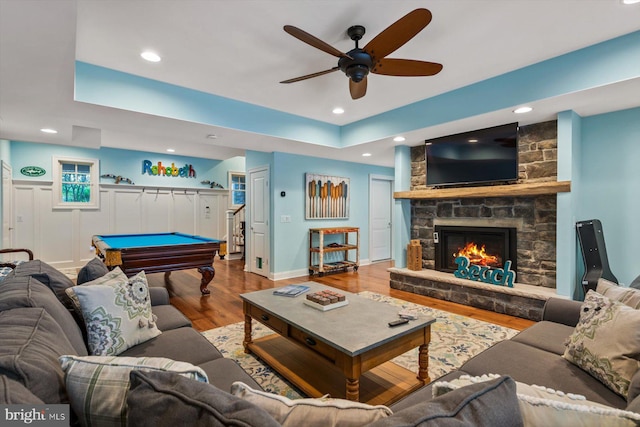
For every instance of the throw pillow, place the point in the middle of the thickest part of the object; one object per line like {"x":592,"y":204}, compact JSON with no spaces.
{"x":110,"y":278}
{"x":167,"y":399}
{"x":91,"y":271}
{"x":542,"y":406}
{"x":606,"y":342}
{"x":615,"y":292}
{"x":117,"y":315}
{"x":32,"y":341}
{"x":48,"y":275}
{"x":97,"y":386}
{"x":321,"y":412}
{"x":487,"y":404}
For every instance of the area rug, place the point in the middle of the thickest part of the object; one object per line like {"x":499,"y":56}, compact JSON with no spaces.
{"x":454,"y":340}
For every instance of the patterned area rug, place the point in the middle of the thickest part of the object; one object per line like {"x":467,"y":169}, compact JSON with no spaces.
{"x":454,"y":340}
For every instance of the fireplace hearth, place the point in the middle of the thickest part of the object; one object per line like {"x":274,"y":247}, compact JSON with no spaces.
{"x":484,"y":246}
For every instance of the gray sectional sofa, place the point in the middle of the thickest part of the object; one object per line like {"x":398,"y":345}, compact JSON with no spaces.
{"x":37,"y":326}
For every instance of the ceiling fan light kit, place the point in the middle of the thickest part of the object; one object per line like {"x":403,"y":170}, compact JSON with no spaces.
{"x":359,"y":62}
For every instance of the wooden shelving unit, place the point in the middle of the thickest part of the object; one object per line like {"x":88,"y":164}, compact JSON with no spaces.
{"x":513,"y":190}
{"x":318,"y":250}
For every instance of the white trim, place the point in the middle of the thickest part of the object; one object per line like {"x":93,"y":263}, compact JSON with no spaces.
{"x":230,"y":174}
{"x":373,"y":177}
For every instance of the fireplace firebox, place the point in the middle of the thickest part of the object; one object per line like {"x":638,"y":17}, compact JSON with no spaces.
{"x":485,"y":246}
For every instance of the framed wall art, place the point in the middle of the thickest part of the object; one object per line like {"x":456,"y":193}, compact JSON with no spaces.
{"x":327,"y":197}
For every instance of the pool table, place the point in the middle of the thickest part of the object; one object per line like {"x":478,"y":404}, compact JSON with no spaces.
{"x":160,"y":252}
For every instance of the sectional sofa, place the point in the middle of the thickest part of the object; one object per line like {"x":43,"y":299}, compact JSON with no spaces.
{"x":528,"y":380}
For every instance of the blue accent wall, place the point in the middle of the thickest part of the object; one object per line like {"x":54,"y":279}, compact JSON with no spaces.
{"x":610,"y":185}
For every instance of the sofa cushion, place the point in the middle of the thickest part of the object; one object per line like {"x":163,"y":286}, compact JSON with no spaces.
{"x":98,"y":385}
{"x":91,"y":271}
{"x":48,"y":275}
{"x":26,"y":291}
{"x":548,"y":336}
{"x":532,"y":365}
{"x":30,"y":344}
{"x":223,"y":372}
{"x":184,"y":344}
{"x":541,"y":406}
{"x":606,"y":341}
{"x":164,"y":398}
{"x":321,"y":412}
{"x":169,"y":317}
{"x":490,"y":404}
{"x":117,"y":315}
{"x":12,"y":393}
{"x":423,"y":394}
{"x":615,"y":292}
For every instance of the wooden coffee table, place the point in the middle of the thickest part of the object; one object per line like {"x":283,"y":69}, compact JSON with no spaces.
{"x":344,"y":352}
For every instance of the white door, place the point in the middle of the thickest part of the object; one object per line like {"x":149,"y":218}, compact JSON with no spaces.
{"x":7,"y":207}
{"x":381,"y":207}
{"x":259,"y":202}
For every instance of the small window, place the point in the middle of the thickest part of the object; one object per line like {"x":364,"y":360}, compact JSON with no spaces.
{"x":237,"y":189}
{"x":75,"y":183}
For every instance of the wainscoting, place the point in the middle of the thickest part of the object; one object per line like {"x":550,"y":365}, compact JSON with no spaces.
{"x":62,"y":237}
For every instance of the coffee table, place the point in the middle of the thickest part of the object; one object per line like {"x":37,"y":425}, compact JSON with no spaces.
{"x":344,"y":352}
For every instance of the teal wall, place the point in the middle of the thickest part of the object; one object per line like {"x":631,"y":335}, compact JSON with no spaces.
{"x":610,"y":185}
{"x":126,"y":163}
{"x":290,"y":241}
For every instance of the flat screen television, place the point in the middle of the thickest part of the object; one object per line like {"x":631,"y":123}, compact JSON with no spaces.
{"x":481,"y":156}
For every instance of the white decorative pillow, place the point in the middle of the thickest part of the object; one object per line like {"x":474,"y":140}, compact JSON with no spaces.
{"x":542,"y":406}
{"x":117,"y":315}
{"x":97,"y":386}
{"x":606,"y":341}
{"x":321,"y":412}
{"x":114,"y":276}
{"x":627,"y":296}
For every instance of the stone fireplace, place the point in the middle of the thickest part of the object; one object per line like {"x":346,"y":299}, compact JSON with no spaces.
{"x":528,"y":236}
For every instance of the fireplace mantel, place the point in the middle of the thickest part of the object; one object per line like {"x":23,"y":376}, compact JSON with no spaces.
{"x":513,"y":190}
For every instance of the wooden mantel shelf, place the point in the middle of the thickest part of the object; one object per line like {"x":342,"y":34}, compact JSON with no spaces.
{"x":512,"y":190}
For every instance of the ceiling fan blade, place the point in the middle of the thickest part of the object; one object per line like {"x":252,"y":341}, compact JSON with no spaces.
{"x":309,"y":76}
{"x":398,"y":33}
{"x":358,"y":90}
{"x":406,"y":67}
{"x":314,"y":41}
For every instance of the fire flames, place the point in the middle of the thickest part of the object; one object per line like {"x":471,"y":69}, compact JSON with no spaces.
{"x":478,"y":256}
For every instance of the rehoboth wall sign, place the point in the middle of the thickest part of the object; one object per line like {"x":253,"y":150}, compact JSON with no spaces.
{"x":32,"y":171}
{"x":187,"y":171}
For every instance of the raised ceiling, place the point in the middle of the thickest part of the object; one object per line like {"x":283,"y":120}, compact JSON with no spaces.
{"x":238,"y":50}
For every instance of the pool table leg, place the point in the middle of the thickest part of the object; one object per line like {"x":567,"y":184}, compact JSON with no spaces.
{"x":207,"y":276}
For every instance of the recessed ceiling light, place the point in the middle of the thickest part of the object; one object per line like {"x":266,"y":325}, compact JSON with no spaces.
{"x":338,"y":110}
{"x":170,"y":150}
{"x":399,"y":139}
{"x":630,"y":1}
{"x":473,"y":140}
{"x":150,"y":56}
{"x":366,"y":155}
{"x":521,"y":110}
{"x":212,"y":136}
{"x":48,"y":130}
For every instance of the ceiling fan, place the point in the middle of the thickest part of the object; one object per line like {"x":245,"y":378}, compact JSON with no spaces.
{"x":359,"y":62}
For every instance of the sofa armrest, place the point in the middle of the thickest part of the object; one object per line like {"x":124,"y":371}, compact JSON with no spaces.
{"x":159,"y":296}
{"x":564,"y":311}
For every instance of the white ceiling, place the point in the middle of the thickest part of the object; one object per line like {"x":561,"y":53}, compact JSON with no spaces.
{"x":237,"y":49}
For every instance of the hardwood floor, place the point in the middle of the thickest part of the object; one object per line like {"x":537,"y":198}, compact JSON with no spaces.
{"x":224,"y":306}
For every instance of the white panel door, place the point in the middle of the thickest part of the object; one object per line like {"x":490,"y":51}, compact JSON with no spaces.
{"x":126,"y":217}
{"x":7,"y":207}
{"x":25,"y":224}
{"x":258,"y":259}
{"x":380,"y":213}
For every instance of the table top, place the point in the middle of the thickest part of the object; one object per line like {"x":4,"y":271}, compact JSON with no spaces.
{"x":119,"y":241}
{"x":353,"y":329}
